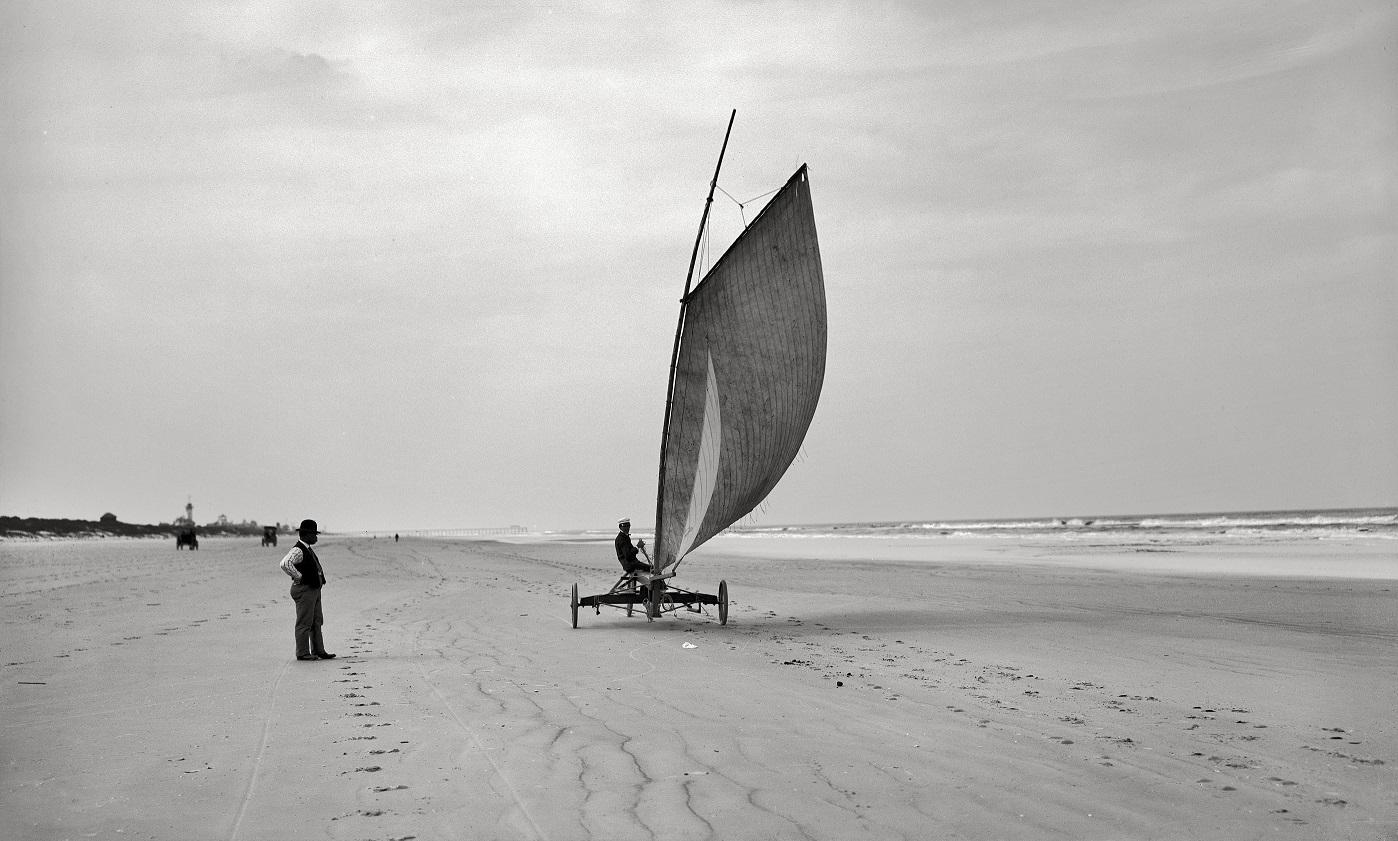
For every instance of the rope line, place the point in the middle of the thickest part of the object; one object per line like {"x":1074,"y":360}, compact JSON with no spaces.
{"x":742,"y":205}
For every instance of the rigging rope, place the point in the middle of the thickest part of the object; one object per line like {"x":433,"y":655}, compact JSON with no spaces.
{"x":704,"y":264}
{"x":742,"y":205}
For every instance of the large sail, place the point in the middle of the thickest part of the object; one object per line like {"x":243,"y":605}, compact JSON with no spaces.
{"x":748,"y":374}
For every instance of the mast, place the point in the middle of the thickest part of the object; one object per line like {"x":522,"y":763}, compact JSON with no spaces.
{"x":679,"y":330}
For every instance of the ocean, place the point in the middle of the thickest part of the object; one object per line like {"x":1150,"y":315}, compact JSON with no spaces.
{"x":1378,"y":523}
{"x":1353,"y":543}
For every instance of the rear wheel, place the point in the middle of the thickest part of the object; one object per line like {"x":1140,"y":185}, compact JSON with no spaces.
{"x":723,"y":602}
{"x":575,"y":605}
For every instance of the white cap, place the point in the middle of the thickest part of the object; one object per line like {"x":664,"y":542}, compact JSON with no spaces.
{"x":624,"y":521}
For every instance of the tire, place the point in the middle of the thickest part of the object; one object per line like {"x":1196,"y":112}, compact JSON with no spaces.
{"x":575,"y":605}
{"x":723,"y":602}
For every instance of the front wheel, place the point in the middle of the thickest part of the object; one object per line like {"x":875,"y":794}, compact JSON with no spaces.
{"x":575,"y":605}
{"x":723,"y":602}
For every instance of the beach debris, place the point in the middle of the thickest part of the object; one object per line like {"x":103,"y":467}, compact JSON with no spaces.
{"x":689,"y":645}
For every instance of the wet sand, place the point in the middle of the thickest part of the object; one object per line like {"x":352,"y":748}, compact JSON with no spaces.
{"x":981,"y":689}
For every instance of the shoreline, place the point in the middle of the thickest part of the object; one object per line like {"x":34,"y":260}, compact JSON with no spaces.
{"x":1340,"y":557}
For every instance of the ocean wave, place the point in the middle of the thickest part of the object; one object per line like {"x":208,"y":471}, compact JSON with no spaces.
{"x":1274,"y":520}
{"x":1376,"y":522}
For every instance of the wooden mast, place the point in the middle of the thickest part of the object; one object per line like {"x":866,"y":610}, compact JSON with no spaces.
{"x":679,"y":330}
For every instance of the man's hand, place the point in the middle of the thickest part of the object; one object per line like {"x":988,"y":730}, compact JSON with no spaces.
{"x":640,"y":544}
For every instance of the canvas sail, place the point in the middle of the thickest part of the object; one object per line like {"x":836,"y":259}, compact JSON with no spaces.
{"x":748,"y":374}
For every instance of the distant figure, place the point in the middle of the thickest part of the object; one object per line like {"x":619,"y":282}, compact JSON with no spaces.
{"x":186,"y":537}
{"x":307,"y":577}
{"x":395,"y":537}
{"x":269,"y":535}
{"x":625,"y":552}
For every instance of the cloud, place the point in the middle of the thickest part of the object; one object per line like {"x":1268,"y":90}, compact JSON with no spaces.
{"x":467,"y":225}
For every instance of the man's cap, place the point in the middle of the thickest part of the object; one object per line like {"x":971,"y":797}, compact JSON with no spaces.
{"x":309,"y":526}
{"x":624,"y":521}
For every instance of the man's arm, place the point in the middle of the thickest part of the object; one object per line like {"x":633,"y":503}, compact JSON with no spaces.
{"x":289,"y":564}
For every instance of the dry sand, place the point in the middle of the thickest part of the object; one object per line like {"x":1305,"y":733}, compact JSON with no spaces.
{"x":985,"y":690}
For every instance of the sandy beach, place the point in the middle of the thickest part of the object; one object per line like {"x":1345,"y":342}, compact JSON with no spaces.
{"x":992,"y":689}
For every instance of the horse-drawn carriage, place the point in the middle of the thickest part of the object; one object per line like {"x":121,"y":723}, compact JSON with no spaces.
{"x":269,"y":535}
{"x":186,"y":537}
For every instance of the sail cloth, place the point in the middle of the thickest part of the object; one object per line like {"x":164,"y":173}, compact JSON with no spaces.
{"x":748,"y":375}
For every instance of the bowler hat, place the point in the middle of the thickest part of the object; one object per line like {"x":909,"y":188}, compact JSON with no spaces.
{"x":309,"y":526}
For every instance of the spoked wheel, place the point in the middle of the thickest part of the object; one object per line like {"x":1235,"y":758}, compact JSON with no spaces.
{"x":723,"y":602}
{"x":575,"y":605}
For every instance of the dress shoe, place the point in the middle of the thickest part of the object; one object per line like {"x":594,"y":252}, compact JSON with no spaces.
{"x":325,"y":655}
{"x":307,"y":657}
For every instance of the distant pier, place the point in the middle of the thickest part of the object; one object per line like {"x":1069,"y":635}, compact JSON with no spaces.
{"x":502,"y":531}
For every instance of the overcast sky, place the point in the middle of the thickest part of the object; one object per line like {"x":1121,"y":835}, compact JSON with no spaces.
{"x":416,"y":264}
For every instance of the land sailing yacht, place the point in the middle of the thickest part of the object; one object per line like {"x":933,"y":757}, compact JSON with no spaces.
{"x":745,"y":377}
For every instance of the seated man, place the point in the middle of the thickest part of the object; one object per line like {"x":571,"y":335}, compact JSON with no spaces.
{"x":625,"y":552}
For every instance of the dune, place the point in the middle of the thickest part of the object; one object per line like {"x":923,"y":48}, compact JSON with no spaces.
{"x":980,"y":689}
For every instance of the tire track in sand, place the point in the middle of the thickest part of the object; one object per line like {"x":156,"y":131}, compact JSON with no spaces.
{"x":470,"y":731}
{"x":475,"y":739}
{"x":261,"y":749}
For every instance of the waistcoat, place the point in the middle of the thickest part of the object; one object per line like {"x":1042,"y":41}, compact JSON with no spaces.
{"x":309,"y":567}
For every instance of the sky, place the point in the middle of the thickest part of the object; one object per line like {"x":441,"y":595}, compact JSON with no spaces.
{"x":417,"y":264}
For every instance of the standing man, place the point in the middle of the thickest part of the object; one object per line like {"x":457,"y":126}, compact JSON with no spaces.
{"x":307,"y":578}
{"x":625,"y":552}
